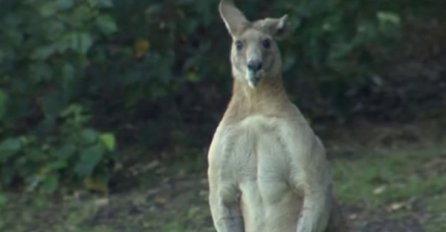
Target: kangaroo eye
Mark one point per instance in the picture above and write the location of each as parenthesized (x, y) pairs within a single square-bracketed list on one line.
[(266, 43), (239, 45)]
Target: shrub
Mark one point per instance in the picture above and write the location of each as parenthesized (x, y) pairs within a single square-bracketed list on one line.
[(44, 133)]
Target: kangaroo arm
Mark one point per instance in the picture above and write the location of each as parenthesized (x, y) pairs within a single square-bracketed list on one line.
[(317, 200), (315, 211), (227, 216)]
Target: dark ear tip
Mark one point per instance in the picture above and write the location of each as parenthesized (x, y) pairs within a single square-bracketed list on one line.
[(282, 27)]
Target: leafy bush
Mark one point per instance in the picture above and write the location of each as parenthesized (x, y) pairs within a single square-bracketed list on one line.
[(330, 41), (171, 65), (44, 134)]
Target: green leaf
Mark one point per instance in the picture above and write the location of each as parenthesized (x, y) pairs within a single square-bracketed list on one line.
[(7, 174), (46, 126), (3, 103), (78, 42), (389, 17), (53, 104), (42, 53), (84, 42), (3, 200), (109, 141), (35, 154), (48, 9), (8, 148), (193, 77), (68, 83), (50, 183), (101, 3), (65, 4), (90, 158), (88, 136), (66, 151), (40, 71), (106, 24), (68, 71), (57, 165), (72, 110), (105, 3)]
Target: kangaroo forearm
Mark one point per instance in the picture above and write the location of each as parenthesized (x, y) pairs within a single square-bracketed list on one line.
[(315, 213), (230, 224), (227, 216)]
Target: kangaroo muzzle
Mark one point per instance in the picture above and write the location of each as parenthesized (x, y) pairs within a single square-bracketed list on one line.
[(255, 71)]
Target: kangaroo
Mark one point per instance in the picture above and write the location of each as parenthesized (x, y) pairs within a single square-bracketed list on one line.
[(268, 171)]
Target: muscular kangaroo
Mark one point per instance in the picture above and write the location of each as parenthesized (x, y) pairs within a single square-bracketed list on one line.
[(267, 169)]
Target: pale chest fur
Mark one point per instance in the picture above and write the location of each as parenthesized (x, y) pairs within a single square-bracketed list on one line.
[(259, 158)]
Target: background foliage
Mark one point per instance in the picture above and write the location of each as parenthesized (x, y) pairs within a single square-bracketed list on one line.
[(76, 74)]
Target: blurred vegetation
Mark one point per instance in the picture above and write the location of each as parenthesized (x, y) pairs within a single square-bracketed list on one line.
[(79, 77)]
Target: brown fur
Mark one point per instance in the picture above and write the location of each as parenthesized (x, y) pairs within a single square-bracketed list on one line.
[(269, 99)]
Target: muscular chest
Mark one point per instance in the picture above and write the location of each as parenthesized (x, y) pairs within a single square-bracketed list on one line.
[(257, 157)]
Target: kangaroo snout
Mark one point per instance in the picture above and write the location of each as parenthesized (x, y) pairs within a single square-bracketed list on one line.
[(255, 72), (255, 65)]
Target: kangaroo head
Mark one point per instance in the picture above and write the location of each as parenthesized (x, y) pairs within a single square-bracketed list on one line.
[(254, 53)]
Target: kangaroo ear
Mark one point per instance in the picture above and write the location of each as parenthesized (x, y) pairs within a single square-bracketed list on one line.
[(277, 27), (234, 19)]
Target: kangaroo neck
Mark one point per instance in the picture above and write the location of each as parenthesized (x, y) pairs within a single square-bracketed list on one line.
[(268, 98)]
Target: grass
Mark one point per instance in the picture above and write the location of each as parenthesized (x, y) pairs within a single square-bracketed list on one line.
[(437, 207), (383, 177), (390, 181), (377, 181)]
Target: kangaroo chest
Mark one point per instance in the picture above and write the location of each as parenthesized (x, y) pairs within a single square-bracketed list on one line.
[(259, 160)]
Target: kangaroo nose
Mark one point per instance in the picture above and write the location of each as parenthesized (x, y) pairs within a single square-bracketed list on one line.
[(254, 65)]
